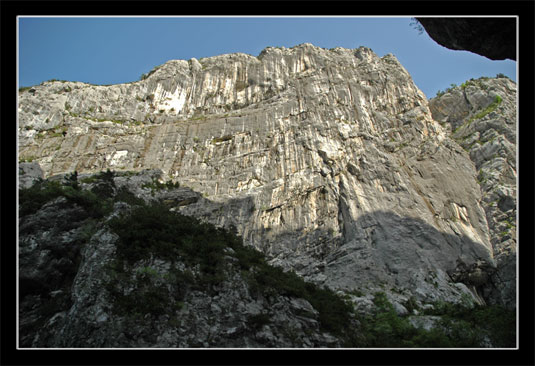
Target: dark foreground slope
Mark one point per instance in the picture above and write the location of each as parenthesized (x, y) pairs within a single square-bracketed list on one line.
[(101, 266)]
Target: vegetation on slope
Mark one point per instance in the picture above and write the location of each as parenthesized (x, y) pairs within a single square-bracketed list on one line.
[(150, 230), (153, 231)]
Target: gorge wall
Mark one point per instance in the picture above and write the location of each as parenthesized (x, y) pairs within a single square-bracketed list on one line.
[(331, 162), (482, 117)]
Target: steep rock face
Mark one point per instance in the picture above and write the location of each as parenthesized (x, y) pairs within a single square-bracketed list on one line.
[(482, 115), (329, 161)]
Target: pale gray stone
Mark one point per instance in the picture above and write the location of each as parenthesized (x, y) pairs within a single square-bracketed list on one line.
[(331, 162), (29, 173), (490, 139)]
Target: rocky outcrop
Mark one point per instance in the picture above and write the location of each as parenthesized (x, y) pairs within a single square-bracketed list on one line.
[(482, 116), (106, 261), (494, 38), (76, 291), (29, 173), (328, 161)]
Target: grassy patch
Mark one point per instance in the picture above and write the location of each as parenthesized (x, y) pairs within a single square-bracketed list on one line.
[(198, 117), (27, 159), (489, 109), (492, 107)]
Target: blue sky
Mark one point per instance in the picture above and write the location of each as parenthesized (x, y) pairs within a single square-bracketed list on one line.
[(118, 50)]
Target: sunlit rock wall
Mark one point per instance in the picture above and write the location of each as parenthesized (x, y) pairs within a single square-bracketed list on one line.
[(327, 160)]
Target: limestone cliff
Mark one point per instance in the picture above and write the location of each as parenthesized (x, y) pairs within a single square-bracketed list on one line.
[(329, 161), (482, 116)]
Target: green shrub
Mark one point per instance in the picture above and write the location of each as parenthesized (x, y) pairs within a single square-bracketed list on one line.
[(275, 280), (124, 195), (107, 176), (27, 159), (334, 312), (415, 24), (149, 231), (71, 180), (144, 231), (440, 93), (104, 185), (90, 179), (411, 305), (460, 327), (248, 257), (155, 185), (386, 328), (94, 205), (452, 86), (468, 325), (154, 231), (103, 190), (33, 198)]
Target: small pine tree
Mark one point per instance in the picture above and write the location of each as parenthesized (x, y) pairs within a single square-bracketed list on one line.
[(72, 180)]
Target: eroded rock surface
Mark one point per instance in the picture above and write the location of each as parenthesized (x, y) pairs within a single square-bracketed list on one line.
[(329, 161), (29, 173), (482, 116)]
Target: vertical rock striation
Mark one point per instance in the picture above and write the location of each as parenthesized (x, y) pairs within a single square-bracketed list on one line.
[(329, 161), (482, 116)]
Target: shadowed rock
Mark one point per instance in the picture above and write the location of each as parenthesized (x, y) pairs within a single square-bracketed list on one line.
[(494, 38)]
